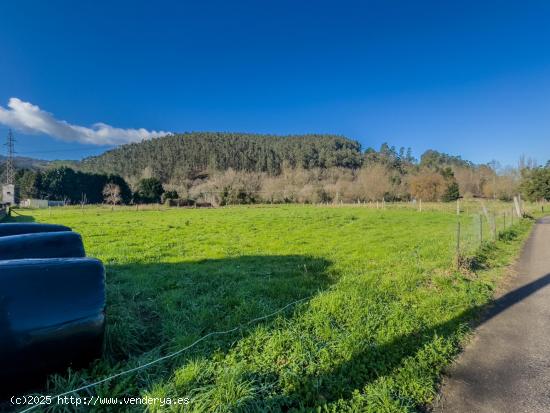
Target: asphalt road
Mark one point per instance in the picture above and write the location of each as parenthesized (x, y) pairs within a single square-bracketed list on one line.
[(506, 367)]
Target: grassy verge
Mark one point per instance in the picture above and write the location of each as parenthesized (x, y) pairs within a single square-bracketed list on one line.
[(387, 308)]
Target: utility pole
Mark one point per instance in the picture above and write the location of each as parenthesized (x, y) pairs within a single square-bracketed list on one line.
[(10, 173)]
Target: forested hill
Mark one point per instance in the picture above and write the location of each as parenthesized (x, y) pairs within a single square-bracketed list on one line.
[(190, 154)]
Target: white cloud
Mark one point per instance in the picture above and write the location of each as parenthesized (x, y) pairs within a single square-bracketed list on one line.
[(29, 118)]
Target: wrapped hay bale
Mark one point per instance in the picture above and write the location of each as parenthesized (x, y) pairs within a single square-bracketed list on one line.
[(52, 316), (29, 228), (42, 245)]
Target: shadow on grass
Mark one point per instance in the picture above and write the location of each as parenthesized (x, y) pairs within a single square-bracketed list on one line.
[(170, 305), (365, 367), (154, 309), (382, 360), (479, 261), (17, 217)]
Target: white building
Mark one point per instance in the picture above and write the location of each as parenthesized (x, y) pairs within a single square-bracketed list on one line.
[(8, 194)]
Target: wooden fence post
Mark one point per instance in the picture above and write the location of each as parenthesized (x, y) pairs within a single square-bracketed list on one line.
[(458, 244), (518, 206), (480, 229)]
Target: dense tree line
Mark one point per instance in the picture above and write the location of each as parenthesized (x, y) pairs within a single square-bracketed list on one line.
[(66, 184), (72, 187), (225, 168)]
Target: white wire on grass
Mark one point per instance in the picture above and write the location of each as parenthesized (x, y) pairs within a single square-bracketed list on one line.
[(171, 355)]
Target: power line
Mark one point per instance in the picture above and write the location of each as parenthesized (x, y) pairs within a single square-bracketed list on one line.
[(172, 355)]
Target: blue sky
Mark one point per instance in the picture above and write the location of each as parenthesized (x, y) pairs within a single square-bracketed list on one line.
[(469, 78)]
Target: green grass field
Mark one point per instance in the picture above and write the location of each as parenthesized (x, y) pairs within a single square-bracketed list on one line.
[(385, 308)]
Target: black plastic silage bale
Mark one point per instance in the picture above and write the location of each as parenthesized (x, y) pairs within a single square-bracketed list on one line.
[(29, 228), (42, 245), (52, 316)]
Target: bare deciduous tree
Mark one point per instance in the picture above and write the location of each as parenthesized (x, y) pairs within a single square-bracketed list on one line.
[(111, 194), (427, 186), (372, 183)]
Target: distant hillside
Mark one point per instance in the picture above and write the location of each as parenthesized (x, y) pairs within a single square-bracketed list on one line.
[(22, 162), (191, 154)]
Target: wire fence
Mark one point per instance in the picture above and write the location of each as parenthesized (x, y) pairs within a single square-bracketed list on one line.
[(462, 206), (477, 222), (490, 223), (170, 355)]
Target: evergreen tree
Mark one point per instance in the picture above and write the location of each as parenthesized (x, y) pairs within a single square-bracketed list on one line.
[(149, 191), (535, 184), (452, 193)]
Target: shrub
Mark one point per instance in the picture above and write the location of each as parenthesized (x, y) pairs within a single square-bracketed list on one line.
[(428, 186), (168, 195), (149, 191)]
